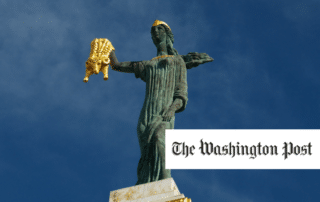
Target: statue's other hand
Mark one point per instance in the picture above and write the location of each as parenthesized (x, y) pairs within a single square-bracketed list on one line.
[(194, 59), (199, 57)]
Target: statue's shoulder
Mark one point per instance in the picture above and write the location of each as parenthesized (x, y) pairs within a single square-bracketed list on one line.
[(186, 60), (180, 58)]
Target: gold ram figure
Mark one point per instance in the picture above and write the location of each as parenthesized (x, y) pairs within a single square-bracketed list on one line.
[(98, 60)]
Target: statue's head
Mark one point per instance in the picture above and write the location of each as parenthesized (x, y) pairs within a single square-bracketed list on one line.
[(158, 34), (161, 32)]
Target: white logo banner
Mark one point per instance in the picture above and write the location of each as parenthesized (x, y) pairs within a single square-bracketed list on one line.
[(242, 149)]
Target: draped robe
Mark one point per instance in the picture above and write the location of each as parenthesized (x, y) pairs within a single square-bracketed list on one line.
[(166, 80)]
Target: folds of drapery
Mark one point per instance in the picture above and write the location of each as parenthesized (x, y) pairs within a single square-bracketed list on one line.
[(166, 80)]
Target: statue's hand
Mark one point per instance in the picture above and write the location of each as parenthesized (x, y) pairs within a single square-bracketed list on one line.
[(113, 59), (167, 116), (194, 59)]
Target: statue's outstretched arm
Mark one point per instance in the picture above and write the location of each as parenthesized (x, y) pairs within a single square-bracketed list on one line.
[(194, 59), (120, 66)]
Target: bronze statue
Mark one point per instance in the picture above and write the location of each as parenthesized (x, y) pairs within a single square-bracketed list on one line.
[(166, 94)]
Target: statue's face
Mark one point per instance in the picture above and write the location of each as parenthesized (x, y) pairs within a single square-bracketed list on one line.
[(158, 34)]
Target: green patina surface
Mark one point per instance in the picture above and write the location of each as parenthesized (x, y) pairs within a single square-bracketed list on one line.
[(166, 94), (166, 81)]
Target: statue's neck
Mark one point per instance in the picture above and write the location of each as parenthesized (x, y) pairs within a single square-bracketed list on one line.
[(162, 49)]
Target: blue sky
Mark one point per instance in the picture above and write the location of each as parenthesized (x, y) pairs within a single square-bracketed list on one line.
[(65, 140)]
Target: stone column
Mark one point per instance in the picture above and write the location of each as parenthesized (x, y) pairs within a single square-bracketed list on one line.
[(160, 191)]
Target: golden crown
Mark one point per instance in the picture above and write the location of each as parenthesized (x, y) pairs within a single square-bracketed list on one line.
[(158, 22)]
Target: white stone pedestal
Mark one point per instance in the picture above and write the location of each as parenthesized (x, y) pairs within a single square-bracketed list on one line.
[(160, 191)]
